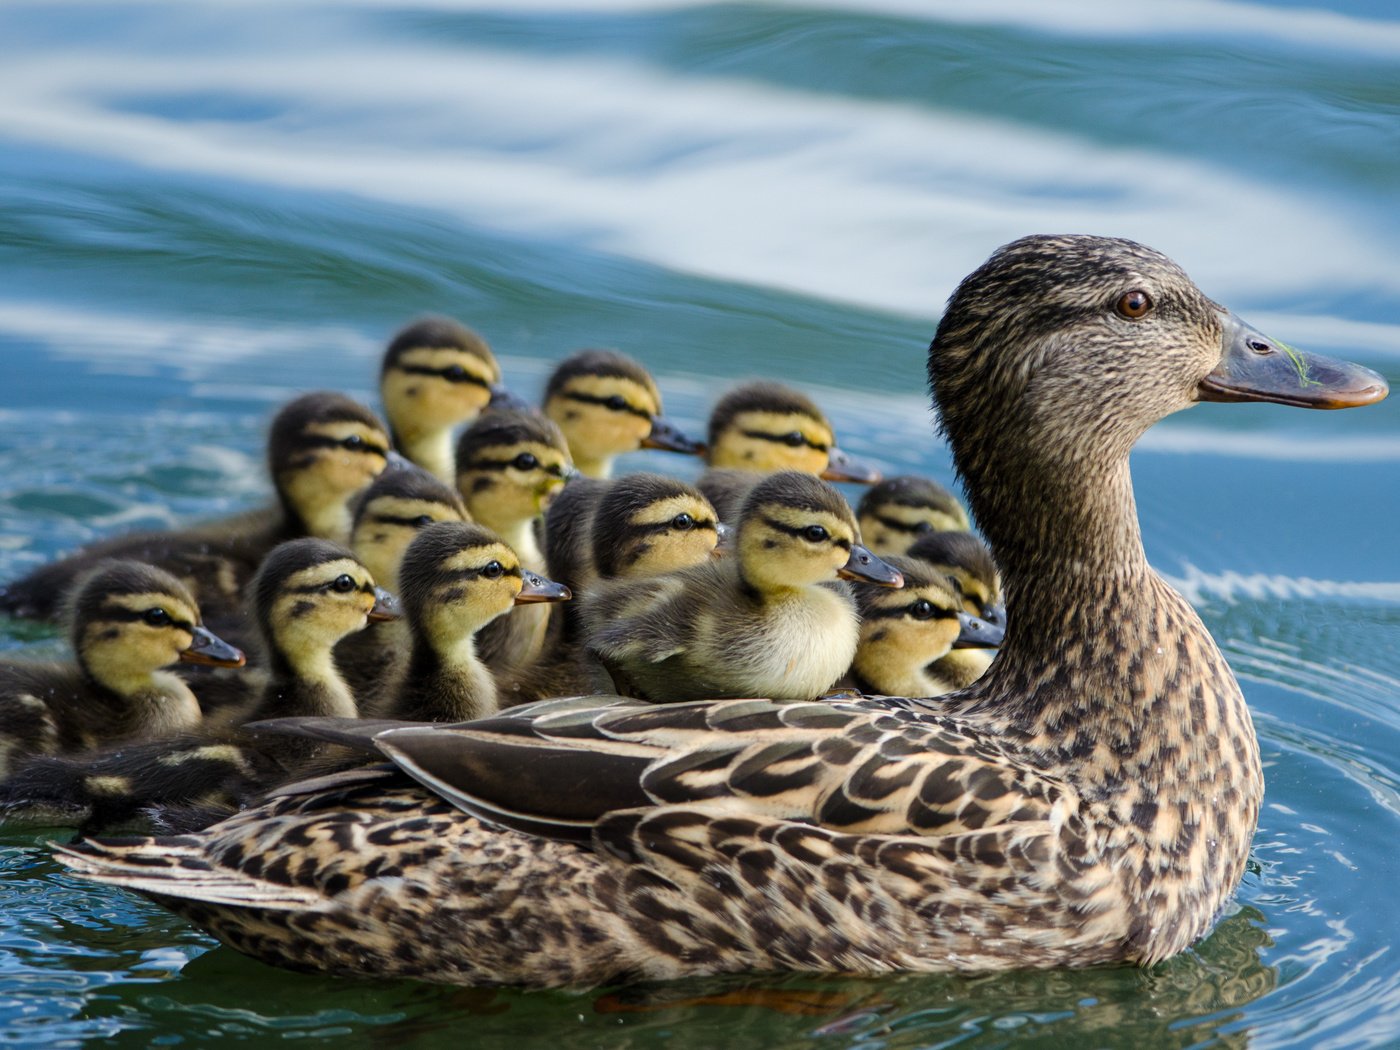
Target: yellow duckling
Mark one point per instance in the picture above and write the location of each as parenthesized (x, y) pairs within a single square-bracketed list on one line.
[(896, 511), (769, 621), (436, 375), (1089, 800), (322, 449), (607, 404), (128, 621)]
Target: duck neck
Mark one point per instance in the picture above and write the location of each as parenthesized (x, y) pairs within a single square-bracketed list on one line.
[(446, 683), (306, 684), (431, 449)]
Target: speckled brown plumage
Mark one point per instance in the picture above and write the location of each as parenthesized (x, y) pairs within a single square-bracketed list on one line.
[(1090, 800)]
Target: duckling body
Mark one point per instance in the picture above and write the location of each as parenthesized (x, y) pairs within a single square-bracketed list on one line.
[(322, 449), (436, 375), (764, 623), (1089, 800), (129, 620), (607, 404)]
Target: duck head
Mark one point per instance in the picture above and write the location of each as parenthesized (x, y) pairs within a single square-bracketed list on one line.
[(767, 426), (391, 512), (895, 512)]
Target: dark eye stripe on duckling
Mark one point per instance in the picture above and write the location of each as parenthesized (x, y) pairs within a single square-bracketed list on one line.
[(903, 526), (352, 443), (452, 373), (477, 572), (894, 612), (557, 470), (615, 402), (125, 614), (669, 525), (800, 531), (789, 438)]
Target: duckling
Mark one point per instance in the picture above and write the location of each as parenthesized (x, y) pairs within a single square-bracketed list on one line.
[(910, 638), (388, 516), (510, 467), (897, 511), (762, 623), (128, 620), (322, 449), (456, 579), (967, 563), (308, 594), (608, 404), (1090, 800), (437, 374)]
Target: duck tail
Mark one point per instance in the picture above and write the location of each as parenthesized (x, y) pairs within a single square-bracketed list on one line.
[(176, 866)]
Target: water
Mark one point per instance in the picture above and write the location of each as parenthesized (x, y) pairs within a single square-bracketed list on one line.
[(204, 208)]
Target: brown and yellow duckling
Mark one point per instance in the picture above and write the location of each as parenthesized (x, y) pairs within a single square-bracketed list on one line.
[(322, 449), (456, 578), (437, 374), (128, 622), (967, 563), (770, 620), (895, 512), (912, 640), (1090, 800), (607, 405)]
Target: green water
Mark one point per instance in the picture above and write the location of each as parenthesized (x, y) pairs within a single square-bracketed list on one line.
[(204, 209)]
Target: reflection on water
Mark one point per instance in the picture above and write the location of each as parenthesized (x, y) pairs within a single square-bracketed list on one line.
[(203, 215)]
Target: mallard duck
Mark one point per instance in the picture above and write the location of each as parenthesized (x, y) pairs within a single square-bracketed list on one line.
[(510, 467), (322, 449), (436, 375), (128, 621), (895, 512), (607, 404), (761, 623), (911, 639), (307, 595), (456, 579), (761, 427), (1089, 800)]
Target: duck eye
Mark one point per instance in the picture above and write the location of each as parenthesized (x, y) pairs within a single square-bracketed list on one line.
[(455, 372), (921, 609), (794, 439), (526, 461), (157, 617), (682, 521), (422, 521), (344, 583), (493, 570), (815, 533), (1135, 304), (353, 443), (617, 403)]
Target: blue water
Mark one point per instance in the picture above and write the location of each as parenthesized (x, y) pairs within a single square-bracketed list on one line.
[(205, 208)]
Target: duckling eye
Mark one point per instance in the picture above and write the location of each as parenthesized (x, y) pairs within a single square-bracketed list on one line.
[(815, 533), (616, 403), (794, 439), (682, 522), (157, 617), (422, 521), (343, 584), (455, 372), (921, 609), (526, 461), (1135, 304), (353, 443), (493, 570)]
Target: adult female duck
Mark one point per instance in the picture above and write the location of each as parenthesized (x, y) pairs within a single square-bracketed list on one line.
[(1089, 800)]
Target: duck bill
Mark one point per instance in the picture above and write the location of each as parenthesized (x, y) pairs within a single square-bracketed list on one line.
[(864, 566), (504, 400), (537, 589), (995, 615), (842, 466), (724, 540), (977, 633), (212, 651), (667, 436), (386, 607), (1254, 367)]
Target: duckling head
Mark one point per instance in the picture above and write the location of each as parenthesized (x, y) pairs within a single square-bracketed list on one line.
[(436, 375), (906, 634), (766, 426), (649, 524), (510, 466), (458, 577), (1058, 353), (795, 530), (310, 593), (323, 448), (129, 619), (897, 511), (966, 563), (607, 404), (391, 512)]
